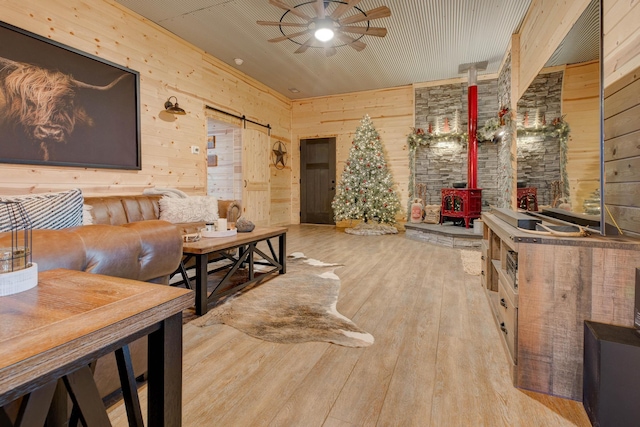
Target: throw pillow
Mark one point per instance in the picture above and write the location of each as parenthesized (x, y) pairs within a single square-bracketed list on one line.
[(191, 209), (87, 218), (47, 210)]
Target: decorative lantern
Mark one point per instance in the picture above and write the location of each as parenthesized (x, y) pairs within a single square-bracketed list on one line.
[(17, 272)]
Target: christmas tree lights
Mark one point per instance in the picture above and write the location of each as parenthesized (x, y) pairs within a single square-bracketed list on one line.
[(365, 190)]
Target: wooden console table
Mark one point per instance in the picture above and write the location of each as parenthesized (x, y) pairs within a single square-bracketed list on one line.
[(465, 203), (246, 244), (542, 288), (71, 318)]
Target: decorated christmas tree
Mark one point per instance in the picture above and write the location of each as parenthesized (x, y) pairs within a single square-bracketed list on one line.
[(365, 190)]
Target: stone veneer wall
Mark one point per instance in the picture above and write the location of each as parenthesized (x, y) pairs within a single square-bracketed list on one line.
[(505, 172), (440, 165), (443, 163), (538, 156)]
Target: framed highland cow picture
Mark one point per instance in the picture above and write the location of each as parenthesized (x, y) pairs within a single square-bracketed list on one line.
[(63, 107)]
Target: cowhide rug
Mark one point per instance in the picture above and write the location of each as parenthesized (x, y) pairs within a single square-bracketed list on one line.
[(299, 306)]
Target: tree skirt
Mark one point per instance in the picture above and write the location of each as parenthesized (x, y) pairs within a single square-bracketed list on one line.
[(371, 229)]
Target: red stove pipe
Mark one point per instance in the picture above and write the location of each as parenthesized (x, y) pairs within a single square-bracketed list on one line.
[(472, 164)]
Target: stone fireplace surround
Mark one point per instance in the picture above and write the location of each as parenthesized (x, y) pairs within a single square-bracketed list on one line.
[(444, 163)]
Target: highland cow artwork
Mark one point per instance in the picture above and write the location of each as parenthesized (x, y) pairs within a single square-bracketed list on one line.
[(62, 107)]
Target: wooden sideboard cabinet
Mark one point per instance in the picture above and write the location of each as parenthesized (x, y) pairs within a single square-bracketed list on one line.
[(541, 289)]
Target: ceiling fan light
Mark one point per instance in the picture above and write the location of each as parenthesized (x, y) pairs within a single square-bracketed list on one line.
[(324, 34)]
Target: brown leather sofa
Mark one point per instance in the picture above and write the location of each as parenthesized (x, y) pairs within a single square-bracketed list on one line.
[(118, 210), (127, 211), (126, 240)]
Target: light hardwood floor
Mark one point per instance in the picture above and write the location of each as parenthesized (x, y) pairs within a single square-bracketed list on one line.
[(437, 359)]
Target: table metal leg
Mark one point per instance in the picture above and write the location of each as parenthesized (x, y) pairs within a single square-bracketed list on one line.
[(58, 415), (165, 374), (33, 409), (251, 248), (201, 284), (129, 387), (84, 394), (282, 252)]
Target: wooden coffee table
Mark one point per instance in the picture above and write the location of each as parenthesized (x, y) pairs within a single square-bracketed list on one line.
[(246, 244), (71, 318)]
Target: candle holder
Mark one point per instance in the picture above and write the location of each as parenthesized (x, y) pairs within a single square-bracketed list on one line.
[(17, 271)]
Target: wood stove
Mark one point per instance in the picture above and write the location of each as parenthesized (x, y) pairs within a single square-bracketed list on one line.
[(527, 198), (465, 203)]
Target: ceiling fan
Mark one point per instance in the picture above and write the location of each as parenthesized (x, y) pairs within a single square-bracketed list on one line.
[(327, 24)]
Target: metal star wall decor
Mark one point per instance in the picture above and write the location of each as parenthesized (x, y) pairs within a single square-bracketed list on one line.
[(278, 155)]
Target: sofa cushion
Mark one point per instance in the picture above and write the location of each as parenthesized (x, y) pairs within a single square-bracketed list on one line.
[(52, 211), (191, 209), (118, 210)]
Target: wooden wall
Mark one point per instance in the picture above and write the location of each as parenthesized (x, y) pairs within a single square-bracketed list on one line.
[(544, 27), (581, 108), (621, 69), (280, 181), (391, 111), (622, 152), (168, 66), (621, 39)]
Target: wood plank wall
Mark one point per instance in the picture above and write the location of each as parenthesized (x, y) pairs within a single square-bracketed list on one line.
[(581, 108), (392, 113), (544, 27), (621, 39), (622, 152), (168, 66), (621, 70)]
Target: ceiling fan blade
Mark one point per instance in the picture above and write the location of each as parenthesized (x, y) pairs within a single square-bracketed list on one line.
[(356, 44), (378, 12), (343, 7), (290, 36), (330, 51), (371, 31), (282, 24), (291, 9), (303, 48), (319, 4)]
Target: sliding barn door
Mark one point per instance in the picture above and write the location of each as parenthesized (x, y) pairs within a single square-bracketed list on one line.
[(255, 176)]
